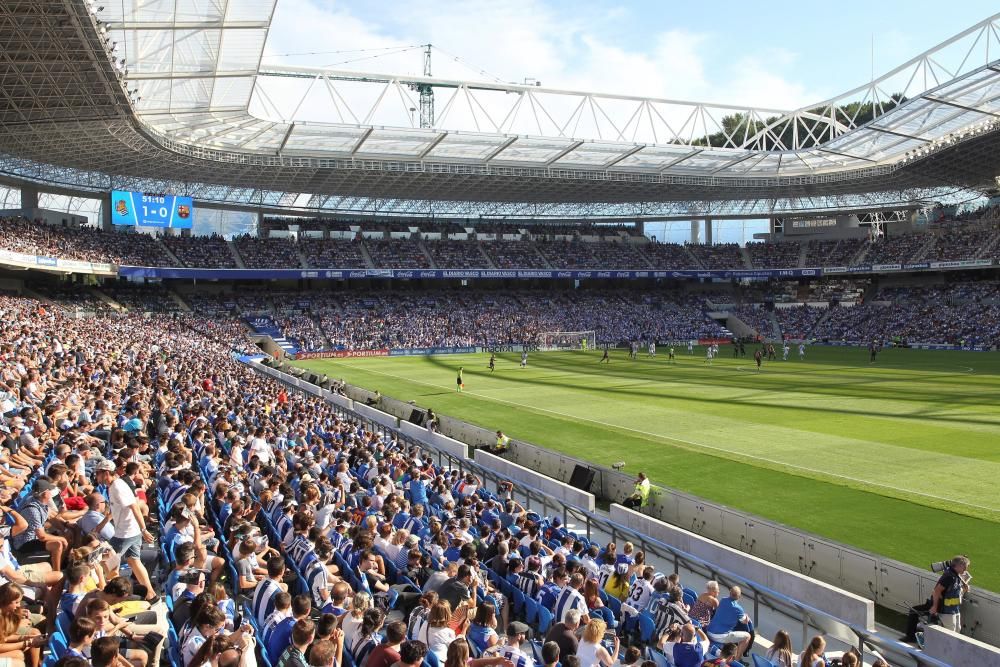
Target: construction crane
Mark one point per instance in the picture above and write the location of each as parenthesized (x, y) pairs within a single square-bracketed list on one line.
[(426, 92)]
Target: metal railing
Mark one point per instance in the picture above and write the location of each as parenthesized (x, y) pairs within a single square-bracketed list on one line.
[(812, 620)]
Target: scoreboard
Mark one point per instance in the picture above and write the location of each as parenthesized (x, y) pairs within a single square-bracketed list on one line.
[(151, 210)]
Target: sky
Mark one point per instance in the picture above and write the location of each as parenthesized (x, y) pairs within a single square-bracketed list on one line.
[(777, 54)]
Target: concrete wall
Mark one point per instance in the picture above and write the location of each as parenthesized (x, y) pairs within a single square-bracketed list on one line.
[(834, 601), (558, 490), (887, 582), (958, 650), (376, 416), (442, 442)]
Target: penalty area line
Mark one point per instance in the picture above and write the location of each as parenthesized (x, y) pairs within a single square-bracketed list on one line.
[(692, 444)]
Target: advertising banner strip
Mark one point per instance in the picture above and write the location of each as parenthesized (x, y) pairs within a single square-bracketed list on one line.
[(491, 274)]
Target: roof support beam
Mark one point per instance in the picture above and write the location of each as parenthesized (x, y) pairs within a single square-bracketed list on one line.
[(362, 139), (563, 153), (201, 74), (499, 149), (956, 105), (189, 25), (679, 160), (896, 134), (431, 146), (288, 135), (615, 160)]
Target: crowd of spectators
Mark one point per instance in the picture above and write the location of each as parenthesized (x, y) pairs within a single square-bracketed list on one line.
[(210, 252), (260, 253), (667, 256), (895, 249), (455, 254), (798, 321), (757, 318), (833, 253), (141, 298), (552, 244), (572, 255), (396, 254), (720, 256), (82, 244), (782, 255), (332, 254), (514, 254)]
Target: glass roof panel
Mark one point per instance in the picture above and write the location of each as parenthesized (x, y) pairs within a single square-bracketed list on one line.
[(459, 146), (409, 143), (323, 137), (593, 154), (533, 150)]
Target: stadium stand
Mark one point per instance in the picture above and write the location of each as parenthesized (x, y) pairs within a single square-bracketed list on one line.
[(798, 321), (396, 254), (721, 256), (584, 255), (455, 254), (201, 251), (514, 254), (260, 253), (330, 253), (784, 255), (667, 256)]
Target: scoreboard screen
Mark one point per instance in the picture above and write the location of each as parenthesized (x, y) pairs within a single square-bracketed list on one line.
[(151, 210)]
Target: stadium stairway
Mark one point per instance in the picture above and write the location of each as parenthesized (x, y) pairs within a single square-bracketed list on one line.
[(175, 261), (776, 331), (104, 298), (303, 262), (267, 327), (369, 262), (803, 254), (987, 249), (921, 253), (486, 257), (745, 254), (860, 257), (427, 254), (236, 255)]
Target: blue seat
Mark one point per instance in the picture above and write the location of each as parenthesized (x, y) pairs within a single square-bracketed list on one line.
[(430, 660), (531, 611), (761, 662), (519, 601), (659, 658), (58, 644), (608, 616), (545, 619), (647, 626)]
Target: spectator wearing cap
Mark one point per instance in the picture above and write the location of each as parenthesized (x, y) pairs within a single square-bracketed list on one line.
[(97, 518), (130, 527), (510, 649), (37, 538)]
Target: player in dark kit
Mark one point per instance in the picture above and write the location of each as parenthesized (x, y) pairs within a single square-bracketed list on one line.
[(872, 352), (605, 358), (493, 362), (758, 356)]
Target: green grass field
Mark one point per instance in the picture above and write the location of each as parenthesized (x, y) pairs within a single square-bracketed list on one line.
[(901, 458)]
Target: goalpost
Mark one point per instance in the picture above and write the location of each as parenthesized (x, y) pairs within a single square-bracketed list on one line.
[(567, 340)]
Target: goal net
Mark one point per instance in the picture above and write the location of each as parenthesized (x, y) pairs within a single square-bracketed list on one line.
[(567, 340)]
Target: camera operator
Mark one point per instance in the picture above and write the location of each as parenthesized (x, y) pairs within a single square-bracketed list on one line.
[(946, 600), (945, 603)]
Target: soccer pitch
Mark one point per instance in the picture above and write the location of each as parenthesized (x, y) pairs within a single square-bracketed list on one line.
[(900, 458)]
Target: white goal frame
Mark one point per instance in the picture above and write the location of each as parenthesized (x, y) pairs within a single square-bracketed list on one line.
[(566, 340)]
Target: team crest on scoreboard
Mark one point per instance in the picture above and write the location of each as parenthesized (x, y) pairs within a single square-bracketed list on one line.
[(121, 207), (183, 211)]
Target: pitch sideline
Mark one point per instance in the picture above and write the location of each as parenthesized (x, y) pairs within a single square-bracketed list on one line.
[(691, 443)]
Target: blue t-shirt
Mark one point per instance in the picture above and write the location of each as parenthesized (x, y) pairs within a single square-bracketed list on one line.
[(726, 617), (279, 638)]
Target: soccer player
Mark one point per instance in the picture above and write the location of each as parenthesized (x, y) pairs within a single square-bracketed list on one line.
[(784, 350), (652, 349), (872, 352), (802, 351), (758, 356), (605, 358), (458, 380), (670, 357), (524, 358), (690, 347), (493, 362), (709, 353)]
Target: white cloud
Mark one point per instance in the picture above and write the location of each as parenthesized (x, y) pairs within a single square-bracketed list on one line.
[(518, 39)]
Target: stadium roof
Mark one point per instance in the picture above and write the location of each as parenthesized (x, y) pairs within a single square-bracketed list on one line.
[(170, 95)]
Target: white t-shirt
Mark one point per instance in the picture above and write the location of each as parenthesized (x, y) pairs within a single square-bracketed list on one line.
[(122, 500)]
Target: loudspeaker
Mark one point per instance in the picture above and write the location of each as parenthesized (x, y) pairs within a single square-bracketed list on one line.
[(416, 417), (313, 378), (582, 478)]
